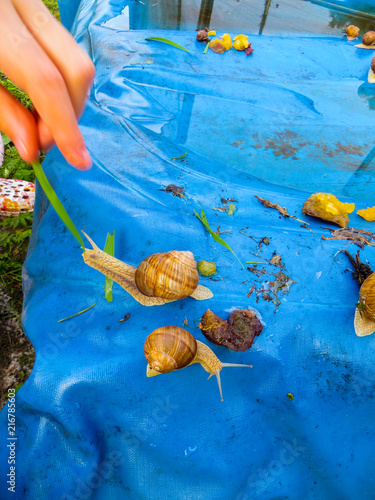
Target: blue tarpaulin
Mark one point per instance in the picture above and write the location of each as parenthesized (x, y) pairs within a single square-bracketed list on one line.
[(293, 118)]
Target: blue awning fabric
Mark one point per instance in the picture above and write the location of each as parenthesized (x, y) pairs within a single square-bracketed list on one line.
[(294, 118)]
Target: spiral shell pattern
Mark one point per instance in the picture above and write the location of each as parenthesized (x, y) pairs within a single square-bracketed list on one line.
[(367, 296), (172, 275), (170, 348)]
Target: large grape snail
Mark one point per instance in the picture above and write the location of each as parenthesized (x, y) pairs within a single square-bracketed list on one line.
[(159, 278), (171, 348)]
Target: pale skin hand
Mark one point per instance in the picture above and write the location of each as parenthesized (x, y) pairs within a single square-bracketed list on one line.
[(42, 58)]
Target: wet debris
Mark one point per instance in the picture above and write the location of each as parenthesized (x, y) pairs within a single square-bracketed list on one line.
[(270, 289), (227, 200), (280, 209), (229, 209), (176, 190), (219, 232), (357, 236), (125, 318), (237, 334), (361, 270), (276, 260)]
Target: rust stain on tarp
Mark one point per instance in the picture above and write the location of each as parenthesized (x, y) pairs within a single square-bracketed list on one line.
[(287, 144)]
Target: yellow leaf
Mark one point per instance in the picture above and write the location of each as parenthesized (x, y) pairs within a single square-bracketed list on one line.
[(367, 213), (217, 46), (241, 42), (227, 41)]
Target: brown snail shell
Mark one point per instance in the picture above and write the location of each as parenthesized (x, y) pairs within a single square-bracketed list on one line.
[(364, 320), (373, 64), (352, 31), (171, 348), (125, 275), (368, 38), (172, 275)]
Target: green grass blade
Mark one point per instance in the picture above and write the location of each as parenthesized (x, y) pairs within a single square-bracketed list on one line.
[(77, 314), (179, 157), (169, 42), (55, 202), (217, 238), (109, 248), (205, 50)]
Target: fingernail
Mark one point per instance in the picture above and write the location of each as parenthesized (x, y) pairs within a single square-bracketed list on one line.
[(85, 155)]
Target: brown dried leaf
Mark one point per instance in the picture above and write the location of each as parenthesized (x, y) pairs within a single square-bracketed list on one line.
[(357, 236), (276, 260), (226, 200), (279, 208), (176, 190)]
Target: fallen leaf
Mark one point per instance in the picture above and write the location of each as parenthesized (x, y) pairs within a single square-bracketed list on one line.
[(357, 236), (367, 213), (276, 260), (279, 208), (176, 190), (226, 200)]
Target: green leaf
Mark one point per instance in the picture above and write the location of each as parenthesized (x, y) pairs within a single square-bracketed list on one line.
[(109, 248), (55, 202), (179, 157), (76, 314), (217, 238), (169, 42), (207, 45)]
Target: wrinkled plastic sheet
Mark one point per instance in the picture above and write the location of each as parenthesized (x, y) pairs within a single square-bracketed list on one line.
[(293, 118)]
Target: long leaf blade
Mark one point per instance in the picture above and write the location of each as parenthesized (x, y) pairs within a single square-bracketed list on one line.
[(109, 248), (76, 314), (55, 202), (169, 42), (216, 237)]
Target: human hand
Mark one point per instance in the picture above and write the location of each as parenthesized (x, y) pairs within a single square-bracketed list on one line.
[(41, 57)]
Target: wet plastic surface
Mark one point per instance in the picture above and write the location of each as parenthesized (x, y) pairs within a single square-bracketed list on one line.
[(291, 119)]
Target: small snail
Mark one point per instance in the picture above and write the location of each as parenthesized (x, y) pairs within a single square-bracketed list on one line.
[(171, 348), (352, 32), (160, 278), (364, 319), (368, 38)]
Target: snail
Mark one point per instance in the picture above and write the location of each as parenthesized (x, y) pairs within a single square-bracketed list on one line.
[(352, 32), (160, 278), (171, 348), (364, 319), (368, 38)]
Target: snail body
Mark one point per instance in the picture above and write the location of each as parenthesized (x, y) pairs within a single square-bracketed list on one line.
[(172, 348), (159, 279)]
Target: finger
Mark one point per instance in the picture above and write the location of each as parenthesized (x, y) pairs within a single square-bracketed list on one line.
[(26, 63), (73, 63), (19, 125)]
